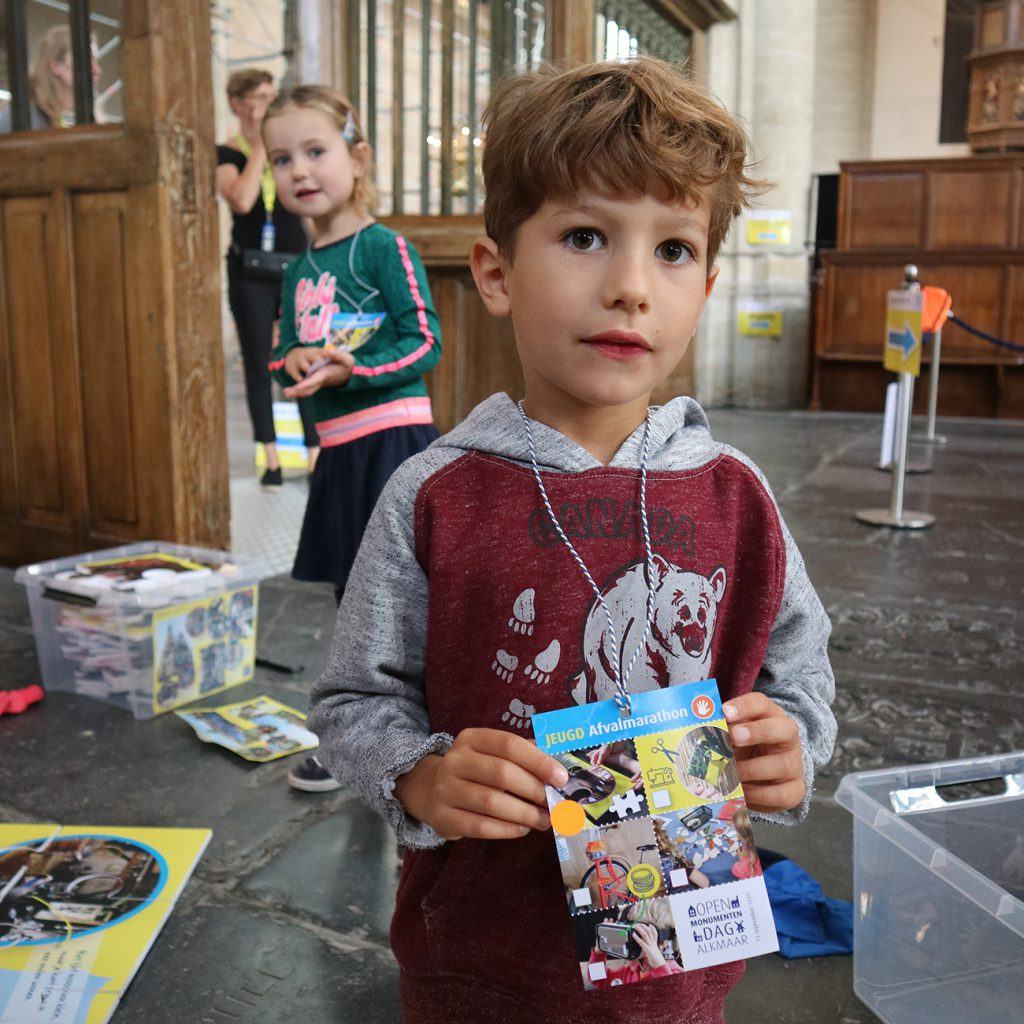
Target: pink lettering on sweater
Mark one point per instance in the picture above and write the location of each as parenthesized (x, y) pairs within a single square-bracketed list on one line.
[(315, 308)]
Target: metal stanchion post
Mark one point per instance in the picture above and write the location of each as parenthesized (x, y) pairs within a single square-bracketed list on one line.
[(895, 515), (930, 437)]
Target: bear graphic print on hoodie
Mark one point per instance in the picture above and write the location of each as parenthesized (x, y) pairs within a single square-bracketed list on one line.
[(465, 610)]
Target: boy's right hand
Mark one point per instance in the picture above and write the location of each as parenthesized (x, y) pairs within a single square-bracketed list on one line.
[(490, 785)]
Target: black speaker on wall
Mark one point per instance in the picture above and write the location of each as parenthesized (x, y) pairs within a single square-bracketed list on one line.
[(825, 210)]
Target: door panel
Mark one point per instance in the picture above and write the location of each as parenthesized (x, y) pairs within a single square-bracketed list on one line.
[(110, 356), (43, 474)]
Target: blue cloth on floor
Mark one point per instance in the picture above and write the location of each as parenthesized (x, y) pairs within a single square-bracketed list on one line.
[(807, 921)]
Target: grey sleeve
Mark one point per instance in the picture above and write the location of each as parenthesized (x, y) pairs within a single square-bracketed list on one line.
[(796, 672), (369, 707), (797, 675)]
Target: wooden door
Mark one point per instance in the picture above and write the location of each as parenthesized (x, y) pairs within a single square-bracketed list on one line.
[(112, 408)]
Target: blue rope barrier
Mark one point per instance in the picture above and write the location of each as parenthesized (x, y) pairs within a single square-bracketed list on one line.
[(990, 338)]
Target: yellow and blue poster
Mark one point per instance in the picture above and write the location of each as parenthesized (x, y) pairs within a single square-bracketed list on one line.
[(759, 319), (903, 331), (291, 438), (769, 227), (80, 907)]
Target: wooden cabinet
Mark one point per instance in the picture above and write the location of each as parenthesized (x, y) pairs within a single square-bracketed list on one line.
[(960, 222)]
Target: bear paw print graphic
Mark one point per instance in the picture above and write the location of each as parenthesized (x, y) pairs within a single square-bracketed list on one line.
[(518, 714), (544, 663), (504, 665), (523, 613)]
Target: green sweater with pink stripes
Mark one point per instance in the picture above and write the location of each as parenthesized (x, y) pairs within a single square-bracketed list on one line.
[(368, 291)]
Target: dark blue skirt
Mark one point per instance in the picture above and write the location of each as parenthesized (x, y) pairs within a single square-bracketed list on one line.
[(343, 490)]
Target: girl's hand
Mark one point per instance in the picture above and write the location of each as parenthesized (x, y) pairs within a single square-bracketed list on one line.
[(298, 360), (335, 374), (646, 936), (767, 745), (597, 756), (490, 785)]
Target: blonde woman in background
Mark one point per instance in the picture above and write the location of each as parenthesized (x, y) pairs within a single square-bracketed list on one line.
[(259, 224), (52, 83)]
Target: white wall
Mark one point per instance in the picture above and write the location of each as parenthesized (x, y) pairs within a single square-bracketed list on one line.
[(817, 82), (908, 81), (762, 67), (844, 79)]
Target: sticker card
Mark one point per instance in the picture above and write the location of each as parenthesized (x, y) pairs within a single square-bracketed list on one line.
[(653, 837)]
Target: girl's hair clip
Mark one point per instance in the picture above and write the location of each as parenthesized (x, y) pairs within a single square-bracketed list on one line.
[(348, 132)]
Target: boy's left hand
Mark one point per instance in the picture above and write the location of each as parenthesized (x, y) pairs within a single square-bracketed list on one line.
[(767, 746), (335, 374)]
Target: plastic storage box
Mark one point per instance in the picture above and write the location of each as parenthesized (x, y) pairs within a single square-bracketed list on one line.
[(146, 627), (938, 879)]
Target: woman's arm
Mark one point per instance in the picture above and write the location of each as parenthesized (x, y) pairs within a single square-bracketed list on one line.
[(241, 188)]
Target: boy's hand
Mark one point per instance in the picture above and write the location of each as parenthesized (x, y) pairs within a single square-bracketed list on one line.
[(490, 785), (300, 360), (767, 746)]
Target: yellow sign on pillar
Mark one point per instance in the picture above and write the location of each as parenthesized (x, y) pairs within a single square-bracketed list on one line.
[(769, 227), (903, 331), (759, 319)]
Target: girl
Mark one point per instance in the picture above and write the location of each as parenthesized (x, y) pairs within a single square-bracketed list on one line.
[(358, 331)]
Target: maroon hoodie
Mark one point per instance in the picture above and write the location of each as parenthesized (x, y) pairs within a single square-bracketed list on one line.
[(465, 609)]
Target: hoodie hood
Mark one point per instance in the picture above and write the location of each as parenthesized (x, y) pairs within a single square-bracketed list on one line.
[(679, 439)]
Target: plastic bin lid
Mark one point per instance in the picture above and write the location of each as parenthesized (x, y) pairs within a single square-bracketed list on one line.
[(910, 808), (150, 574)]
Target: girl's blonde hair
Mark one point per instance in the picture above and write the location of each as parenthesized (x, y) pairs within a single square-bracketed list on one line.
[(343, 115), (54, 46)]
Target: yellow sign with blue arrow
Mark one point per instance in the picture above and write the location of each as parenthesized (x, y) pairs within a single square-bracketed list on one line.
[(903, 331)]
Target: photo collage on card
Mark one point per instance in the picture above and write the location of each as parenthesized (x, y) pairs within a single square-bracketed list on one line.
[(663, 823), (203, 646)]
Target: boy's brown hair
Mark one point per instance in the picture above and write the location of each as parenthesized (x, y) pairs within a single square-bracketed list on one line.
[(244, 80), (619, 127), (342, 114)]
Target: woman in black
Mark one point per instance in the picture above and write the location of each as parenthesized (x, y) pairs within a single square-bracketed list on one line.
[(260, 225)]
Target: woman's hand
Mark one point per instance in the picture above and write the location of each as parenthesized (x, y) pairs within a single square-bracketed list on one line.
[(490, 785)]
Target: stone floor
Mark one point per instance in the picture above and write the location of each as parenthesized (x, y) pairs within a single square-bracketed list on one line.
[(286, 916)]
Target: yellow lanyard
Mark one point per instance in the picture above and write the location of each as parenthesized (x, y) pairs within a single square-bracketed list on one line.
[(267, 187)]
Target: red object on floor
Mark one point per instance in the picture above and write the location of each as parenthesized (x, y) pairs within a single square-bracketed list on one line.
[(13, 702)]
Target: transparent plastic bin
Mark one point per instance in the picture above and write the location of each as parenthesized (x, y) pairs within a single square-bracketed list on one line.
[(159, 635), (938, 880)]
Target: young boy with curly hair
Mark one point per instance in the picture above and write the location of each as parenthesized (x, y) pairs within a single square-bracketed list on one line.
[(610, 188)]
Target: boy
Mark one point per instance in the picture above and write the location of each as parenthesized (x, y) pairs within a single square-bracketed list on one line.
[(471, 605)]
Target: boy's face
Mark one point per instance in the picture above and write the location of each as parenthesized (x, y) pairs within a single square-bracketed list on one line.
[(604, 295)]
